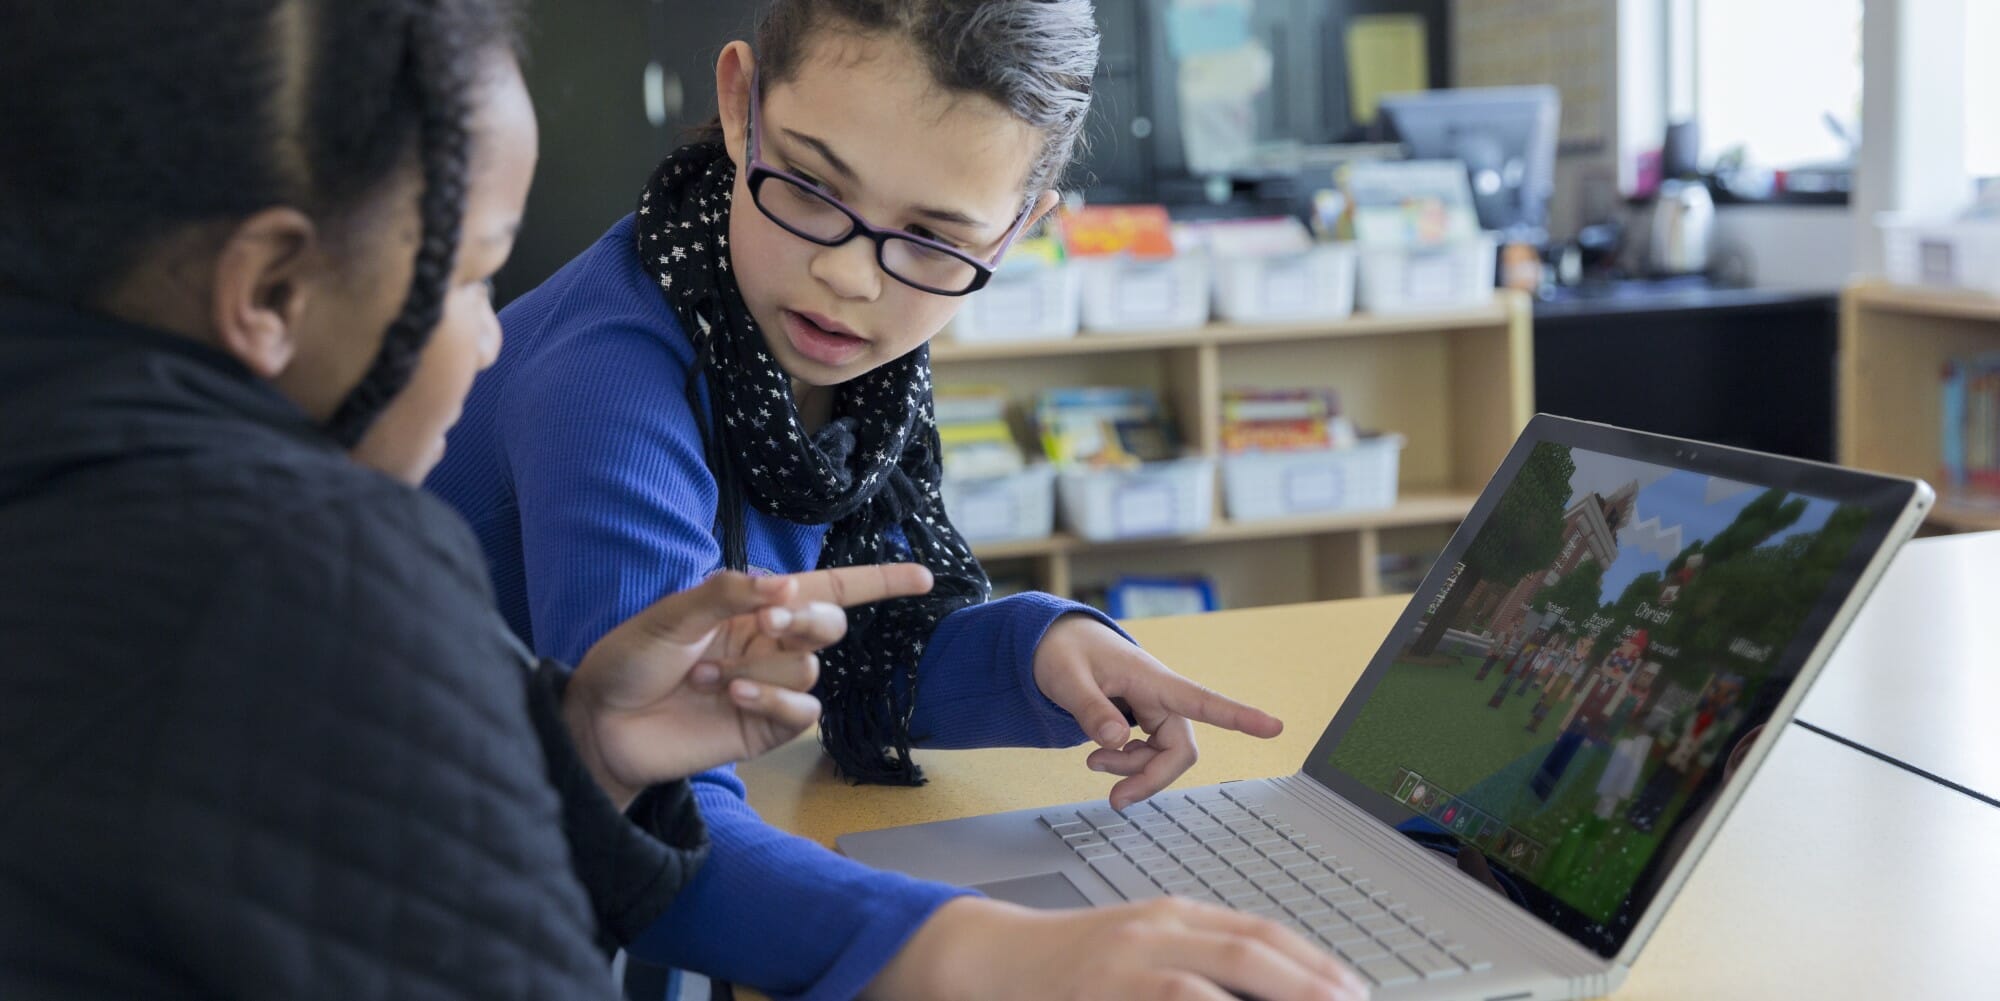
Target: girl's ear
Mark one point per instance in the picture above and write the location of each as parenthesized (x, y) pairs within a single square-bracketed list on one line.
[(735, 70), (259, 290), (1043, 205)]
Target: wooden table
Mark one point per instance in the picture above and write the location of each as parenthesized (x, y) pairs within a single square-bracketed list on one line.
[(1838, 876), (1918, 676)]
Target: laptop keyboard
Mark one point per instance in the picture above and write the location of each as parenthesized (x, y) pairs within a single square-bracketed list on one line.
[(1206, 845)]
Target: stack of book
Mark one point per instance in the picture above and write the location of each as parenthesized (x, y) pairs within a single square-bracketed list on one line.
[(1104, 427), (1283, 420), (1971, 431), (973, 432)]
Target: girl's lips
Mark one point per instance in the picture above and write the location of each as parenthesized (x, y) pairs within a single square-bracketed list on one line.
[(830, 347)]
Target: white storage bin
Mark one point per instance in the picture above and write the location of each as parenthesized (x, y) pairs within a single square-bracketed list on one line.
[(1948, 254), (1120, 293), (1454, 276), (1003, 508), (1022, 304), (1317, 284), (1262, 485), (1176, 497)]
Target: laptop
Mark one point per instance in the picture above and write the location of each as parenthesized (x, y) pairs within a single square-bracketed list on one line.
[(1538, 753)]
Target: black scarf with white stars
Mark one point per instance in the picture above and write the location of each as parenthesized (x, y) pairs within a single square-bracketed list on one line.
[(870, 474)]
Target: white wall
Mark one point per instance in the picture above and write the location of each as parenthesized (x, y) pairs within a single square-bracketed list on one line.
[(1912, 117)]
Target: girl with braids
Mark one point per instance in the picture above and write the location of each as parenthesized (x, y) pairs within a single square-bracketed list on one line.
[(735, 377), (261, 732)]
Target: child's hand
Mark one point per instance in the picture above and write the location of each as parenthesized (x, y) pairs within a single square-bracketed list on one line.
[(714, 674), (1163, 948), (1082, 665)]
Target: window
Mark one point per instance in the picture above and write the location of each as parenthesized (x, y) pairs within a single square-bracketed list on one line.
[(1783, 112), (1982, 89)]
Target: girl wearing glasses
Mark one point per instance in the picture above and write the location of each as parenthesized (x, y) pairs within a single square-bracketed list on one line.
[(736, 376)]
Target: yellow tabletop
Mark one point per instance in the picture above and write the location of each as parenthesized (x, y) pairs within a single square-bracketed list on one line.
[(1295, 661), (1837, 876)]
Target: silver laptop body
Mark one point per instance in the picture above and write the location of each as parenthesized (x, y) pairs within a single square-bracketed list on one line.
[(1588, 834)]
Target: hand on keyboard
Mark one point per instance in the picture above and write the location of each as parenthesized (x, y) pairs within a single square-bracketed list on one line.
[(1163, 948)]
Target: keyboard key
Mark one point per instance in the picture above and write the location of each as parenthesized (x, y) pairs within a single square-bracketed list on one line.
[(1158, 865), (1362, 950), (1342, 935), (1306, 907), (1238, 894), (1325, 921), (1229, 845), (1362, 909), (1238, 856), (1125, 878), (1256, 867), (1432, 964), (1219, 878), (1272, 880), (1057, 818), (1214, 836), (1258, 839), (1263, 910), (1101, 816), (1173, 841), (1096, 851), (1289, 892), (1110, 831), (1401, 940), (1079, 840), (1387, 971), (1179, 885), (1320, 883)]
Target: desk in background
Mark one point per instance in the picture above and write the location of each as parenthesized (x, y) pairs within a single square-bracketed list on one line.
[(1838, 875), (1917, 679)]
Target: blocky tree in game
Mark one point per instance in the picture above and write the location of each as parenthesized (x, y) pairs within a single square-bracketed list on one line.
[(1523, 536), (1573, 599)]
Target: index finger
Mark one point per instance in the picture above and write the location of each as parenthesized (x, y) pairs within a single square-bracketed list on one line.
[(1181, 697), (862, 585)]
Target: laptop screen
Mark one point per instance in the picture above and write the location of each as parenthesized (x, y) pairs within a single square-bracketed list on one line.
[(1565, 694)]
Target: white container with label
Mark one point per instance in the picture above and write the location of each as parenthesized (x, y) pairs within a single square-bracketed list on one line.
[(1008, 508), (1259, 486), (1452, 276), (1022, 303), (1942, 254), (1316, 284), (1176, 497), (1120, 293)]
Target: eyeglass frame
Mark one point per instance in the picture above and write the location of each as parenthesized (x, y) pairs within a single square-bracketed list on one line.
[(760, 170)]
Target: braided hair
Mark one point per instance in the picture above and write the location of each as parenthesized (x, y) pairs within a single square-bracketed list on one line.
[(123, 124)]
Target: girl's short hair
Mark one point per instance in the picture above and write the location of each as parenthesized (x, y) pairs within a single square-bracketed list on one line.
[(1033, 57), (122, 122)]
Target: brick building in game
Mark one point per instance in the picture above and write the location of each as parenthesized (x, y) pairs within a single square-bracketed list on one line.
[(1590, 530)]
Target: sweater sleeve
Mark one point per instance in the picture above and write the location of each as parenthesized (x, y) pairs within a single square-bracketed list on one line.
[(977, 680), (616, 510)]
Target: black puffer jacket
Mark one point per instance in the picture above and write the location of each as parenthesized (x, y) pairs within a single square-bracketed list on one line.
[(262, 734)]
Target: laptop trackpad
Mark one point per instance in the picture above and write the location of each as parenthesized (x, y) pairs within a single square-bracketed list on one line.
[(1049, 891)]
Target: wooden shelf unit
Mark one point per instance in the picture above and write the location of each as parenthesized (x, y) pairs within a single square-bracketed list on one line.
[(1894, 343), (1458, 385)]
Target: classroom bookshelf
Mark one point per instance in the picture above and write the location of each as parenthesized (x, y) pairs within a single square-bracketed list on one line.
[(1458, 385), (1894, 343)]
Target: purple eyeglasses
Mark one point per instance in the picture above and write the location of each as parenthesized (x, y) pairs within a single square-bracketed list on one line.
[(809, 213)]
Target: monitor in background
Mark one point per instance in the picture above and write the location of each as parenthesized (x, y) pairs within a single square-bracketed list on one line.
[(1506, 136)]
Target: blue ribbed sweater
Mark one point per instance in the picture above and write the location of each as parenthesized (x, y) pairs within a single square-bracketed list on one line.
[(579, 465)]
